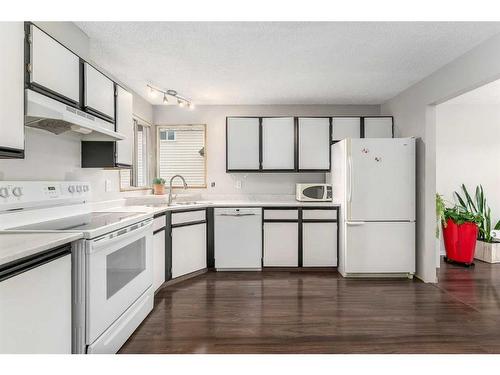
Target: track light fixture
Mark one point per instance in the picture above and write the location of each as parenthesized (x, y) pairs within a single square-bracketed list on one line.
[(181, 100)]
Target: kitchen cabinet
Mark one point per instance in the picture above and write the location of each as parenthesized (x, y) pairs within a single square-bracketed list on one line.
[(99, 90), (378, 127), (125, 126), (159, 228), (278, 143), (281, 244), (242, 144), (12, 90), (319, 244), (281, 237), (346, 127), (189, 242), (53, 69), (314, 143), (35, 295)]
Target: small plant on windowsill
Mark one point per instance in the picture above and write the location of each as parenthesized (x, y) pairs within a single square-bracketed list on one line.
[(159, 186), (486, 249)]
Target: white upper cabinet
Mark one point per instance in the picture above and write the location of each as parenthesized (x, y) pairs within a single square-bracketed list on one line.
[(99, 92), (378, 127), (314, 143), (12, 89), (243, 143), (53, 66), (346, 127), (278, 143), (125, 126)]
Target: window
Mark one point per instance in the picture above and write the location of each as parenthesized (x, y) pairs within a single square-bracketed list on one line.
[(167, 135), (181, 150), (138, 176), (141, 165)]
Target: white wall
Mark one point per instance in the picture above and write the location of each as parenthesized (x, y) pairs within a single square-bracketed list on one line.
[(414, 112), (468, 150), (52, 157), (215, 118)]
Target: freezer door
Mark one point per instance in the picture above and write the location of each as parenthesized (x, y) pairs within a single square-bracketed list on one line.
[(382, 247), (381, 179)]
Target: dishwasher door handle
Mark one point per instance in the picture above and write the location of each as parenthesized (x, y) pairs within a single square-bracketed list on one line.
[(236, 215)]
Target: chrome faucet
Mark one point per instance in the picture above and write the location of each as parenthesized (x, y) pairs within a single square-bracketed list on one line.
[(170, 189)]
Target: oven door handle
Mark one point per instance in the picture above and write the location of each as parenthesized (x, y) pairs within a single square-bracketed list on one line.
[(133, 231)]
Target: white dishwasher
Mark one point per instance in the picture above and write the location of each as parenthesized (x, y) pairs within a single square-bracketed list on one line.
[(238, 239)]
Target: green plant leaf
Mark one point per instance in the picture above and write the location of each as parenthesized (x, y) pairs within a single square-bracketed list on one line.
[(461, 201), (470, 203)]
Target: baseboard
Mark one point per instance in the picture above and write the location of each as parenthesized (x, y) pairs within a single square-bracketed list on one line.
[(182, 278)]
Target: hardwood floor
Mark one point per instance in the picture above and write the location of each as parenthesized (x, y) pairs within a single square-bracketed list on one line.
[(320, 312)]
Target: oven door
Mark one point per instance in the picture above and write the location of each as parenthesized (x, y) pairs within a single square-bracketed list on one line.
[(119, 271)]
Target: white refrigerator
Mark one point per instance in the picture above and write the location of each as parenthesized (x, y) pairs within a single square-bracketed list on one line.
[(374, 182)]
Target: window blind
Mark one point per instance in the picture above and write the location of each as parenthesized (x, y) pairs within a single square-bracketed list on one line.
[(182, 153)]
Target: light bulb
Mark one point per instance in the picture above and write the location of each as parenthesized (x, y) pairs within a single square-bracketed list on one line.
[(165, 100), (152, 92), (180, 102), (190, 105)]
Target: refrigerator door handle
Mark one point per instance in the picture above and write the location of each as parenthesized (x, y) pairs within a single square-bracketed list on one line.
[(349, 171), (355, 223)]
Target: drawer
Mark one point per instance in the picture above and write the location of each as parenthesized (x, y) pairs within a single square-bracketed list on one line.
[(330, 214), (159, 222), (281, 214), (188, 216)]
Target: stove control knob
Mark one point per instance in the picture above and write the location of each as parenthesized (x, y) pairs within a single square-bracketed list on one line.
[(79, 188), (4, 192), (17, 191), (85, 188), (71, 189)]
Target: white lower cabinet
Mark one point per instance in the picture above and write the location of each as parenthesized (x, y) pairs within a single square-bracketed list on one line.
[(281, 244), (189, 249), (319, 244), (158, 259)]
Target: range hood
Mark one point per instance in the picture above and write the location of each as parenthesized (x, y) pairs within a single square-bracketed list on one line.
[(49, 114)]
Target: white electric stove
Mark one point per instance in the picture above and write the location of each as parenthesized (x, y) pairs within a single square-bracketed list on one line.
[(111, 267)]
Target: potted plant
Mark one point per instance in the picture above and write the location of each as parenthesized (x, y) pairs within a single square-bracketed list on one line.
[(159, 186), (460, 230), (486, 249)]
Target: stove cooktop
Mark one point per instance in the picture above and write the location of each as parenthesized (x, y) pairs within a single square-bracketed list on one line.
[(86, 222)]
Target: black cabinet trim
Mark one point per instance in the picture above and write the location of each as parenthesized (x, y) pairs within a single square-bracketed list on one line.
[(188, 224), (296, 145), (53, 94), (159, 230), (300, 222), (210, 238), (296, 168), (168, 246), (25, 264)]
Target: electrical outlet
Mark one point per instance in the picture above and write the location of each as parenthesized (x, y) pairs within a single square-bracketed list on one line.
[(212, 184), (107, 185), (237, 185)]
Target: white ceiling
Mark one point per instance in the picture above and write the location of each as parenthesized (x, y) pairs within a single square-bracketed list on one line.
[(280, 62)]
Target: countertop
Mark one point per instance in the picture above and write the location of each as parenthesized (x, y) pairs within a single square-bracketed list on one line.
[(159, 208), (14, 246)]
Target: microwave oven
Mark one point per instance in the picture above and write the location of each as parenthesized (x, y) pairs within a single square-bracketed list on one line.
[(313, 192)]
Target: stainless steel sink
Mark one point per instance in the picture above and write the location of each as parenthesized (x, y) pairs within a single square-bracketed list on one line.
[(185, 203)]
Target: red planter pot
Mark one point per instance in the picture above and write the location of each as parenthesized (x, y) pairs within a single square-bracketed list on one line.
[(460, 241)]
